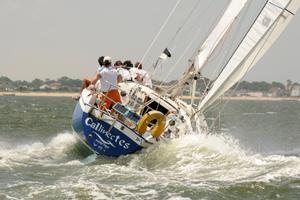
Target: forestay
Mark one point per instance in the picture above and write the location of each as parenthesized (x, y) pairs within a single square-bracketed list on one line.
[(269, 24), (211, 43)]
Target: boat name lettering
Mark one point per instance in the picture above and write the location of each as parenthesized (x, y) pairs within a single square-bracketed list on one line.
[(100, 129)]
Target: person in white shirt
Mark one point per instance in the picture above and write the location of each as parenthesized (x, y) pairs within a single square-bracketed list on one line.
[(142, 76), (122, 70), (109, 79)]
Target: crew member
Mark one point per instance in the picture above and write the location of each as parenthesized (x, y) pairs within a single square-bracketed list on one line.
[(123, 69), (87, 82), (109, 79), (142, 76)]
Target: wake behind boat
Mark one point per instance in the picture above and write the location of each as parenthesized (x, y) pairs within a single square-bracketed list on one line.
[(148, 116)]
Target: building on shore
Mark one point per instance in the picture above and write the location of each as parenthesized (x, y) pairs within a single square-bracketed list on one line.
[(295, 91)]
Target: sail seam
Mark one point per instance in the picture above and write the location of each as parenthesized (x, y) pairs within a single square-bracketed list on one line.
[(260, 40), (284, 9), (245, 35), (236, 86)]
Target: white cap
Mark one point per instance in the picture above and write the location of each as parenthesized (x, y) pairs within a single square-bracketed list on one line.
[(107, 58)]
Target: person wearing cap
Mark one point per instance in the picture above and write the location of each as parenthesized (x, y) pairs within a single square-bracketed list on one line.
[(109, 79)]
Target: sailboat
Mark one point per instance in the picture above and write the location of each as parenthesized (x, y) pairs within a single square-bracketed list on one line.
[(147, 116)]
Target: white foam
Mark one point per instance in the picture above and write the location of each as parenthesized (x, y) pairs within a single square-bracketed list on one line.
[(194, 161), (195, 158), (8, 196), (37, 151)]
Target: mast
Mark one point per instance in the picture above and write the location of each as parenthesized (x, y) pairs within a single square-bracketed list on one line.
[(211, 43), (193, 91), (267, 27)]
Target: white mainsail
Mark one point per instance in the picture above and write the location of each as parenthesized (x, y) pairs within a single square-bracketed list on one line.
[(211, 43), (269, 24)]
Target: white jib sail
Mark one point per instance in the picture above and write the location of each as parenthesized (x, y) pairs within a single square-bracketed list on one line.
[(269, 24), (210, 44), (232, 11)]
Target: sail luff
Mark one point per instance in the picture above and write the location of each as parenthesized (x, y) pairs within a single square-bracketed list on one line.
[(270, 23), (219, 32), (211, 43)]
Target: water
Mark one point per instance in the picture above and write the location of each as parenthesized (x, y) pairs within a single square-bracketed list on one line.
[(255, 157)]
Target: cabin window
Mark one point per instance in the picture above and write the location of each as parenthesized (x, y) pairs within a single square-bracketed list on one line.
[(153, 105)]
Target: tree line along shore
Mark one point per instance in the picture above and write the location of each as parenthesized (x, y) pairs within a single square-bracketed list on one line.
[(65, 86), (71, 94)]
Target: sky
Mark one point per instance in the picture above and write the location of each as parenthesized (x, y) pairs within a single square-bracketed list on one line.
[(55, 38)]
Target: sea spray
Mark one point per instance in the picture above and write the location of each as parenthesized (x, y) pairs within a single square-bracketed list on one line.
[(212, 158), (194, 165), (36, 152)]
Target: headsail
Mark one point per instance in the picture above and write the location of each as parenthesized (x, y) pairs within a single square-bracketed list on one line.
[(211, 43), (269, 24), (214, 39)]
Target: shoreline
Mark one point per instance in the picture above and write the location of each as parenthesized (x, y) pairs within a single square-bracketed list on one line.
[(70, 94), (247, 98), (39, 94), (250, 98)]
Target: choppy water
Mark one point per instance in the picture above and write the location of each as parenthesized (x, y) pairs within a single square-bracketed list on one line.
[(256, 157)]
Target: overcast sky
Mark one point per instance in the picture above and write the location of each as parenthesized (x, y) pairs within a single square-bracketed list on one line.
[(55, 38)]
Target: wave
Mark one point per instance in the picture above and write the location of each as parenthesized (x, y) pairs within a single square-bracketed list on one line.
[(194, 157), (256, 113), (214, 158), (193, 163), (58, 148), (260, 113)]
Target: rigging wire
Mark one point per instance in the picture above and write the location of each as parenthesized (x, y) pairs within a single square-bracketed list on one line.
[(160, 30), (196, 52), (208, 32), (180, 29), (238, 83), (181, 56), (158, 33), (184, 23), (213, 74), (209, 85), (196, 35), (245, 35)]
